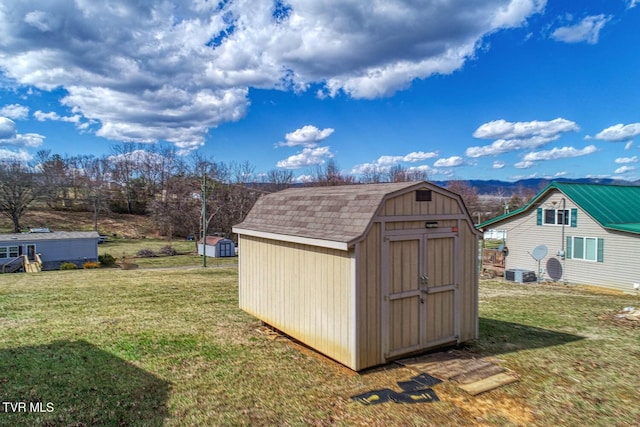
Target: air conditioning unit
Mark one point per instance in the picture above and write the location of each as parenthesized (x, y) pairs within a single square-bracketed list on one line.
[(520, 275)]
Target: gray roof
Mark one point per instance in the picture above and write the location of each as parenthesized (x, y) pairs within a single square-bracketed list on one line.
[(340, 214), (56, 235)]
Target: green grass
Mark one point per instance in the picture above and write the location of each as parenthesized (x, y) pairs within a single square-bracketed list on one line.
[(170, 347), (186, 253)]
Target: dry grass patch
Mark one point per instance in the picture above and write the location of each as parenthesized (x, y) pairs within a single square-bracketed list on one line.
[(170, 347)]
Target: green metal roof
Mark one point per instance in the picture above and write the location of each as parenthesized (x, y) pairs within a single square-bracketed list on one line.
[(615, 207)]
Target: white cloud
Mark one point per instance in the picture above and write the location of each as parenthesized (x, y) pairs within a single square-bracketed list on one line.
[(632, 3), (173, 70), (628, 145), (587, 30), (450, 162), (518, 135), (10, 136), (307, 136), (42, 116), (307, 157), (21, 155), (498, 164), (384, 163), (7, 128), (303, 179), (525, 164), (419, 156), (619, 132), (14, 111), (624, 169), (559, 153), (624, 160)]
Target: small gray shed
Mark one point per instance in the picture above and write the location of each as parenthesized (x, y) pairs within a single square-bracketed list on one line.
[(362, 273), (217, 247), (54, 248)]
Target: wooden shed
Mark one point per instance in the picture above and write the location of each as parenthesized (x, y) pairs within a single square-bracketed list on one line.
[(362, 273)]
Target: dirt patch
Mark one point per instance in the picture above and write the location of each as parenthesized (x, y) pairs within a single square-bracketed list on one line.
[(123, 225), (628, 317)]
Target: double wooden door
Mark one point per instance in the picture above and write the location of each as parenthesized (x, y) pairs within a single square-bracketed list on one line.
[(421, 292)]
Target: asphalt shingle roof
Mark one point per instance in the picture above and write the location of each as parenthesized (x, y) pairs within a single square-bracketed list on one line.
[(339, 214), (615, 207)]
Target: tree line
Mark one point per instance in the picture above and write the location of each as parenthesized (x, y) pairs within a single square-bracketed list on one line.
[(155, 180)]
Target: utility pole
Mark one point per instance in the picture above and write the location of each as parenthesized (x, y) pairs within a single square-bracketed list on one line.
[(204, 219)]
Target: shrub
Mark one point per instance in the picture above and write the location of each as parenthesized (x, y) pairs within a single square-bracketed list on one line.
[(106, 260), (168, 251), (91, 264), (146, 253), (68, 266)]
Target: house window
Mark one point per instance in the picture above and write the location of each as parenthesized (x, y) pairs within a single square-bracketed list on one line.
[(556, 216), (8, 251), (585, 248)]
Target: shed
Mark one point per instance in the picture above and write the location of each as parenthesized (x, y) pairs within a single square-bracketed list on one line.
[(362, 273), (217, 247), (54, 248)]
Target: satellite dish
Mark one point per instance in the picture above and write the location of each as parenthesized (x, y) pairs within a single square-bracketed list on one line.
[(539, 252)]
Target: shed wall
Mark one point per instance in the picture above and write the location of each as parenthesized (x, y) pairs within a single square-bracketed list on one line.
[(305, 291), (403, 215)]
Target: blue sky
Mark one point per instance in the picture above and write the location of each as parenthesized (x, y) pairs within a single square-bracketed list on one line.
[(476, 89)]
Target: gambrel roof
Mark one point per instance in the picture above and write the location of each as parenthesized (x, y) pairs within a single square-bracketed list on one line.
[(339, 214), (614, 207)]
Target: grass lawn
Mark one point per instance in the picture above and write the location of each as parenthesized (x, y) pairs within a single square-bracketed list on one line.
[(170, 347)]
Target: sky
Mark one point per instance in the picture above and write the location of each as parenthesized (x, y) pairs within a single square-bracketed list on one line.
[(459, 89)]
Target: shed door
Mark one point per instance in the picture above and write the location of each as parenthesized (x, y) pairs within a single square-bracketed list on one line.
[(441, 291), (421, 297), (406, 308), (226, 249)]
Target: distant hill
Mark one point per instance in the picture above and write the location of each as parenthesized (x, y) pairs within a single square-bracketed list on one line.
[(533, 184)]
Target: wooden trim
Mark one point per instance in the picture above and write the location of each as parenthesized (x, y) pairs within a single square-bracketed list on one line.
[(405, 294), (355, 303), (439, 289), (400, 218), (330, 244), (432, 233), (384, 294)]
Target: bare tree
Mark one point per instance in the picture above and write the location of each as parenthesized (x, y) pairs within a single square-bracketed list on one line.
[(330, 175), (53, 178), (371, 174), (277, 179), (399, 173), (18, 189), (468, 194)]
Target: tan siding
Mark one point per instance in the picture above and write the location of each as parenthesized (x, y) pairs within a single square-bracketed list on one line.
[(301, 290), (406, 204), (468, 283), (369, 327)]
